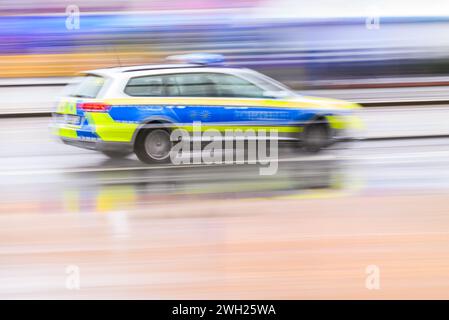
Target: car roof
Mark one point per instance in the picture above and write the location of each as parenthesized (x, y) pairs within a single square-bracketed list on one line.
[(115, 70)]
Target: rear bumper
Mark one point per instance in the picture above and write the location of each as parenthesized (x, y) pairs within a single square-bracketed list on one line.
[(98, 145), (86, 139)]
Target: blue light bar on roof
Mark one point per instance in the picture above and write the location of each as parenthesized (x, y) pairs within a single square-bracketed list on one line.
[(198, 58)]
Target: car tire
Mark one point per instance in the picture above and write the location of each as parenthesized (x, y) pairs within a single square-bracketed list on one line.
[(153, 146), (116, 154), (316, 136)]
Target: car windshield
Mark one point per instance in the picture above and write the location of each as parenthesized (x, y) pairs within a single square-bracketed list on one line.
[(88, 87)]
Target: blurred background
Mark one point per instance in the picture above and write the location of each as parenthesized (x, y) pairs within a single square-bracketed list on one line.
[(119, 229), (295, 40)]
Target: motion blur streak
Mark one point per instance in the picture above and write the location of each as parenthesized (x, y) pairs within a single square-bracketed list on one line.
[(291, 40), (75, 224)]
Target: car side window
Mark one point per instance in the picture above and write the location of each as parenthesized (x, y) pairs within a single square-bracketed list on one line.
[(227, 85), (214, 85), (194, 85), (150, 86), (171, 87)]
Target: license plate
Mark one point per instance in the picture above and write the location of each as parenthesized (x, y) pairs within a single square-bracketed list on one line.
[(71, 119)]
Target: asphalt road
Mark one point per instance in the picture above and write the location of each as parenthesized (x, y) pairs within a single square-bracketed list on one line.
[(222, 231)]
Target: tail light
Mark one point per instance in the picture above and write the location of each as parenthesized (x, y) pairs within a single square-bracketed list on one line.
[(93, 107)]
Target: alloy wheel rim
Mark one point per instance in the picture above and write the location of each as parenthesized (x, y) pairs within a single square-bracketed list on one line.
[(158, 144)]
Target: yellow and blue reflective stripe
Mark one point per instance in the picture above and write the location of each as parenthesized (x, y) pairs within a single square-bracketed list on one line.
[(108, 129), (120, 123), (303, 103), (223, 128)]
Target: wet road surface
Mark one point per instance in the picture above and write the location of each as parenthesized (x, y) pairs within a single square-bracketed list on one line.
[(223, 231)]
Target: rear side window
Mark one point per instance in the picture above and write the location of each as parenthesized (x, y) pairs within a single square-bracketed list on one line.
[(193, 85), (151, 86), (89, 87)]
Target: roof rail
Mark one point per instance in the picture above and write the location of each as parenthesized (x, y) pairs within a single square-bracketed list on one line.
[(161, 67)]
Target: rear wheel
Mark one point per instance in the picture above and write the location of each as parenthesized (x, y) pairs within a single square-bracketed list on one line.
[(153, 146), (316, 137)]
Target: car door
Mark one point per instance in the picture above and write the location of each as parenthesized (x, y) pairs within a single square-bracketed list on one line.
[(196, 92), (222, 100), (182, 97), (247, 103)]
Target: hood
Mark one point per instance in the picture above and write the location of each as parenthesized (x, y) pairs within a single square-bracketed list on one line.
[(326, 103)]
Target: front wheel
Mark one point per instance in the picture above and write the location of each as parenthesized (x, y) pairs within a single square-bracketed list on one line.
[(316, 137), (153, 146)]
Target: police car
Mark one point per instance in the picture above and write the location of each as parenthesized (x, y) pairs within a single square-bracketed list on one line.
[(123, 110)]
